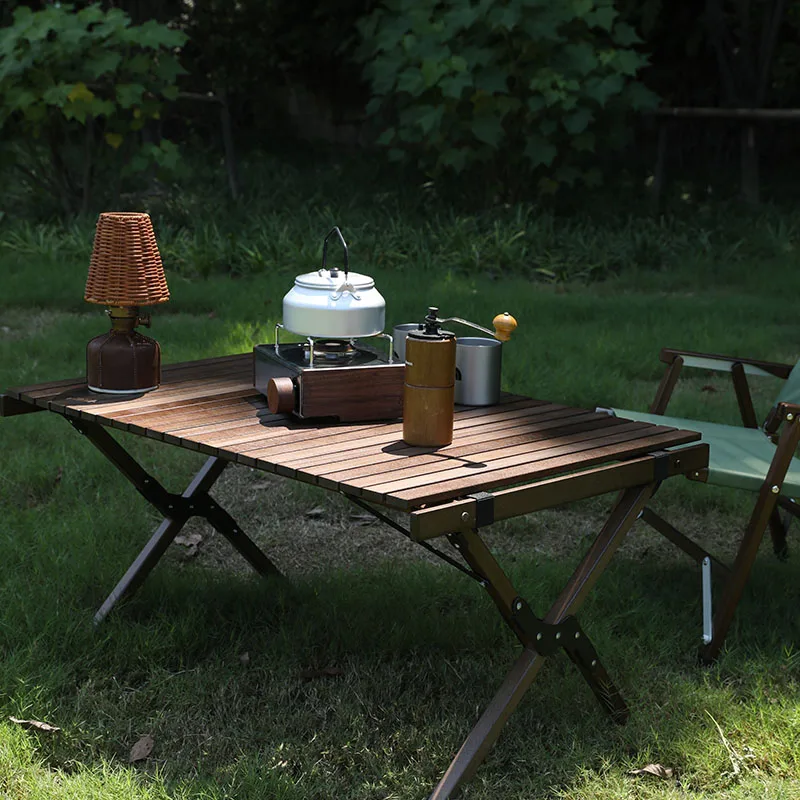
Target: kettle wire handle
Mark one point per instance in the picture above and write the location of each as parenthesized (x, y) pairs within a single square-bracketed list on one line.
[(335, 230)]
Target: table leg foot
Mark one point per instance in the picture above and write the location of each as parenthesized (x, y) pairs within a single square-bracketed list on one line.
[(485, 733)]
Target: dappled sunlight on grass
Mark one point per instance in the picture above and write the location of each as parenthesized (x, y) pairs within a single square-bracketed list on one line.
[(362, 678)]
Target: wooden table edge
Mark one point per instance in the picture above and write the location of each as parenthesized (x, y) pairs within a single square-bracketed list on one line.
[(690, 460)]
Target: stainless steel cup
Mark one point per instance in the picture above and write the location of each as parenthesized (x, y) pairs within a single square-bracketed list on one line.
[(399, 333), (478, 366)]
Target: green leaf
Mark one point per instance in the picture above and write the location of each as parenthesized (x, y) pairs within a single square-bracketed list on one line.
[(102, 63), (18, 98), (492, 80), (539, 152), (129, 94), (57, 95), (458, 19), (410, 80), (458, 64), (625, 35), (640, 98), (430, 117), (155, 35), (431, 72), (577, 121), (504, 17), (387, 137), (167, 68), (170, 92), (391, 32), (453, 86), (580, 57), (455, 158), (535, 103), (101, 108), (487, 128), (600, 89), (601, 18), (628, 62)]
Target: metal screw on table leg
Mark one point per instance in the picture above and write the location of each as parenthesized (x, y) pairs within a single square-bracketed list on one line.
[(538, 637), (776, 489), (577, 634), (465, 516), (518, 605), (558, 635), (594, 662)]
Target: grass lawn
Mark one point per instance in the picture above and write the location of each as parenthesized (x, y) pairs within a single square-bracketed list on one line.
[(227, 672)]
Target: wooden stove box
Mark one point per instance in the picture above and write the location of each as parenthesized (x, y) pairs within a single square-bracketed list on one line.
[(351, 393)]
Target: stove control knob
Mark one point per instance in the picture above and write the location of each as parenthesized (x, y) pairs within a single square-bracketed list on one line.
[(280, 395)]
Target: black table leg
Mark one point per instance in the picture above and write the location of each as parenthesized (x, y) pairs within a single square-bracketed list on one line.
[(177, 509)]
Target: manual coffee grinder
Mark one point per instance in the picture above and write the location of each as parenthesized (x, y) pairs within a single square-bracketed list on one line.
[(428, 393)]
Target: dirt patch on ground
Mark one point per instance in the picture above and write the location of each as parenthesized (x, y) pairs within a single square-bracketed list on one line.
[(306, 530)]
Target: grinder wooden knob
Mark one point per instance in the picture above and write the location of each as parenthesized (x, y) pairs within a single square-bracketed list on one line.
[(504, 325), (280, 395)]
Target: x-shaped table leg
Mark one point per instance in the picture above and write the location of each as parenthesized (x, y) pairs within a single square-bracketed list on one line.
[(176, 509), (541, 638)]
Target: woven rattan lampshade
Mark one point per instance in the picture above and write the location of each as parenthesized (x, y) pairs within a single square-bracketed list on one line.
[(125, 269)]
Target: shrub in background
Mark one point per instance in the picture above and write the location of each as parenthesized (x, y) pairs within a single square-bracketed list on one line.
[(76, 88), (512, 89)]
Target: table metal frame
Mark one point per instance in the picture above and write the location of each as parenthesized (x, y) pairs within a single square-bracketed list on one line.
[(457, 510)]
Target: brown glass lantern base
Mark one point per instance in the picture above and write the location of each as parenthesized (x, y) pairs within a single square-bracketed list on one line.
[(123, 362)]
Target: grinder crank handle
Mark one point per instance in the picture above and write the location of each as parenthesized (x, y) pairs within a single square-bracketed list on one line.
[(504, 325)]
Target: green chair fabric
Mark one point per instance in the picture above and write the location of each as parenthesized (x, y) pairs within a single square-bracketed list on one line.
[(790, 391), (738, 457)]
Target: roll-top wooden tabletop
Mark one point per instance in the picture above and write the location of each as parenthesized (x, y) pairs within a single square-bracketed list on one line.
[(211, 406)]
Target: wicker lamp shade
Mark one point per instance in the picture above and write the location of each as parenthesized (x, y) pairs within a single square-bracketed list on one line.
[(125, 269)]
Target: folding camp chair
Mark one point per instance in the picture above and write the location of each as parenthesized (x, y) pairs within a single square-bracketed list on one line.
[(759, 459)]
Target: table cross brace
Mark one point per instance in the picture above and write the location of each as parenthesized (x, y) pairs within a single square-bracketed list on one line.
[(557, 629), (176, 510)]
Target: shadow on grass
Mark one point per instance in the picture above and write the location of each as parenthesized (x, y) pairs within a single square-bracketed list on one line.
[(363, 684)]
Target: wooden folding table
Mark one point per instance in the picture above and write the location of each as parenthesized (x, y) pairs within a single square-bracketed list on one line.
[(519, 456)]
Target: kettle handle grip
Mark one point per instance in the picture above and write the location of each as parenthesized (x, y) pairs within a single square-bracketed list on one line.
[(335, 230)]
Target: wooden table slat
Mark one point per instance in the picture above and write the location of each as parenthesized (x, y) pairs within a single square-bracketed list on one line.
[(390, 432), (420, 496), (527, 452), (85, 401), (211, 405), (191, 403), (297, 431), (384, 463)]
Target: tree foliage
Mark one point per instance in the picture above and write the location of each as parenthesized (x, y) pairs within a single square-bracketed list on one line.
[(521, 87), (77, 88)]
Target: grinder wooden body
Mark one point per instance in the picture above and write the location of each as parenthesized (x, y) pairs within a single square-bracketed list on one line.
[(428, 393)]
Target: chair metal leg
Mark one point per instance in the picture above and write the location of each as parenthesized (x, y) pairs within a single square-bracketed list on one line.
[(176, 509), (541, 638), (748, 548)]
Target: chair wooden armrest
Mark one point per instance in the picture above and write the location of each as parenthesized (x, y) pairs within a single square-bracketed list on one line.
[(780, 412), (739, 368), (722, 363)]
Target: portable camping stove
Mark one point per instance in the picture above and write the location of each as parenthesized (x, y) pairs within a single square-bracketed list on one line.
[(323, 377)]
